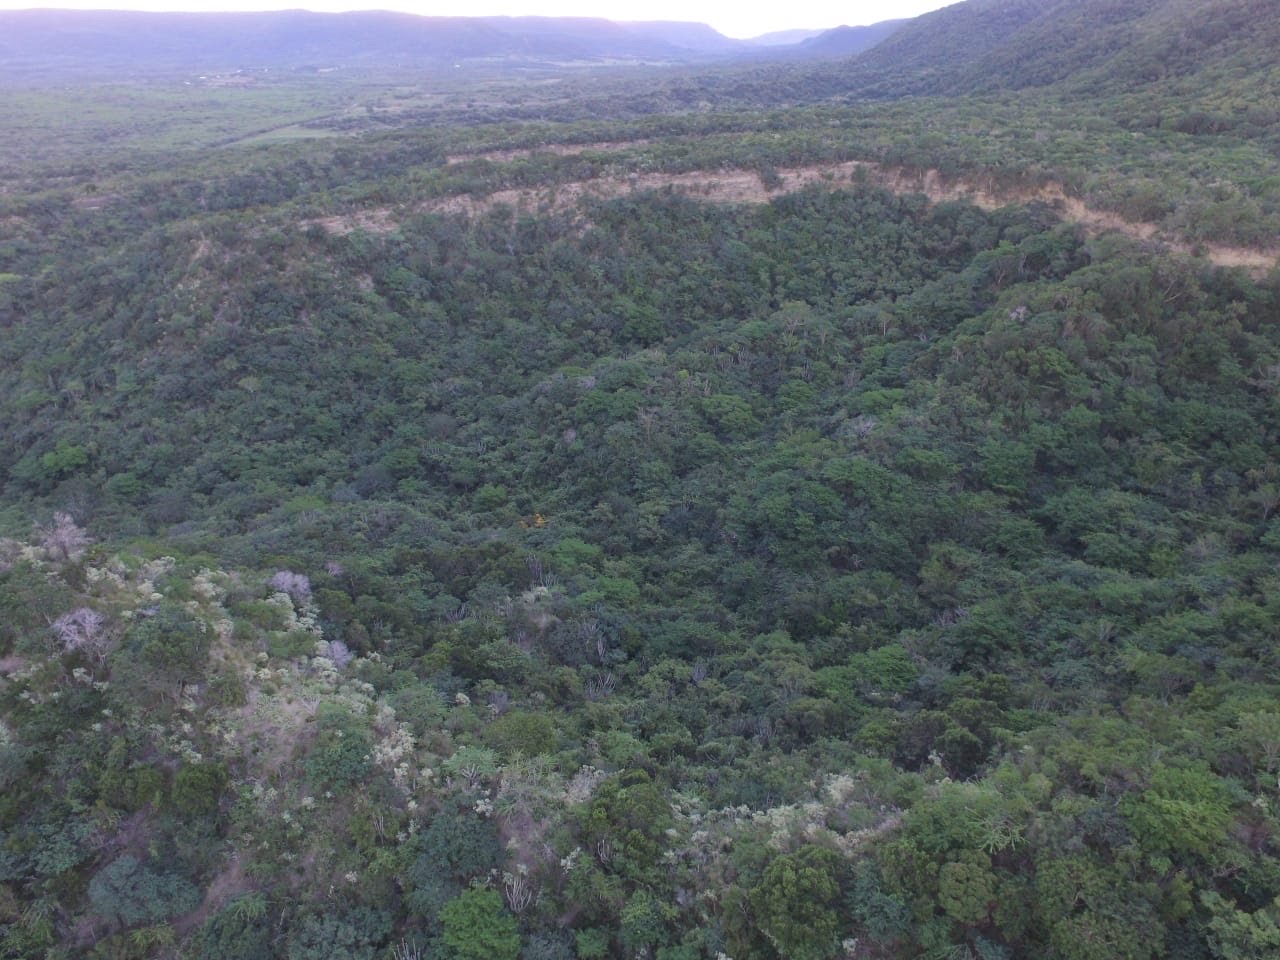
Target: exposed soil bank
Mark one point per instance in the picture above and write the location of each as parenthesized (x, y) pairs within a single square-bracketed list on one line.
[(747, 186)]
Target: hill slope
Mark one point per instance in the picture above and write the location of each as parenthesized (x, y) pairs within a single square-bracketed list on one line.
[(407, 551), (1090, 45), (847, 41)]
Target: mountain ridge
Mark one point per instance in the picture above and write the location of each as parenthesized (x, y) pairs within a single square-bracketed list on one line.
[(139, 42), (295, 37)]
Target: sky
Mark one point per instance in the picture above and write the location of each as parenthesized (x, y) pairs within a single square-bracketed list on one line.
[(734, 18)]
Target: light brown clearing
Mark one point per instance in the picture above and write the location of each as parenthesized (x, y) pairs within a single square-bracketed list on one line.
[(738, 185), (375, 220), (270, 727), (225, 887), (94, 201)]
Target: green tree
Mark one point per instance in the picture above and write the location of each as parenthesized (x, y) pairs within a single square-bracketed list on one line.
[(477, 926), (796, 904), (522, 732), (1184, 810), (162, 651), (1237, 935), (644, 924), (628, 817)]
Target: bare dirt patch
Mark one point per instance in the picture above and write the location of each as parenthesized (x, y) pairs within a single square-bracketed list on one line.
[(373, 220), (94, 201), (226, 886), (270, 728), (1257, 262)]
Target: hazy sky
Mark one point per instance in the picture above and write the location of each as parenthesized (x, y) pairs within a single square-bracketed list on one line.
[(736, 19)]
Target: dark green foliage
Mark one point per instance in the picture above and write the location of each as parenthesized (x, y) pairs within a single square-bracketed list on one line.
[(239, 931), (548, 946), (455, 847), (644, 923), (197, 788), (354, 935), (165, 649), (1183, 811), (592, 944), (128, 892), (340, 755), (457, 844), (28, 604), (630, 814)]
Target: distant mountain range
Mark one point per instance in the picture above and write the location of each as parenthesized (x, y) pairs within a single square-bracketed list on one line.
[(781, 38), (138, 42), (846, 41)]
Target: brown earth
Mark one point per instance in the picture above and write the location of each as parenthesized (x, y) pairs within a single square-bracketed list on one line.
[(225, 887), (746, 186), (376, 220)]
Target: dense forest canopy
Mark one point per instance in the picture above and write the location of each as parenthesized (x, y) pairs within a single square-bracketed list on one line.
[(769, 511)]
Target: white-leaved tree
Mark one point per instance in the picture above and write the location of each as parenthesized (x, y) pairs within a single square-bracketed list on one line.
[(296, 585), (63, 539), (82, 629)]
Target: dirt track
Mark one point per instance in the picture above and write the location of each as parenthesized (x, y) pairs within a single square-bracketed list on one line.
[(746, 186)]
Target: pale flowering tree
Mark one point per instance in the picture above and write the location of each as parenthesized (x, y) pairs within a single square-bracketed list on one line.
[(339, 653), (63, 539), (296, 585), (82, 629)]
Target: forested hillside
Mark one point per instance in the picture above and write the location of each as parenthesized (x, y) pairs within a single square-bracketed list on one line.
[(444, 522), (1097, 45)]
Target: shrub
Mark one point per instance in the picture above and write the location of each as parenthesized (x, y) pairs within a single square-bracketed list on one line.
[(356, 935), (342, 753), (128, 892)]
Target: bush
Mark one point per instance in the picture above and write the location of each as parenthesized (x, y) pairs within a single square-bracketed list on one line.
[(197, 788), (353, 936), (240, 931), (523, 732), (127, 892), (547, 946), (164, 650), (341, 755)]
